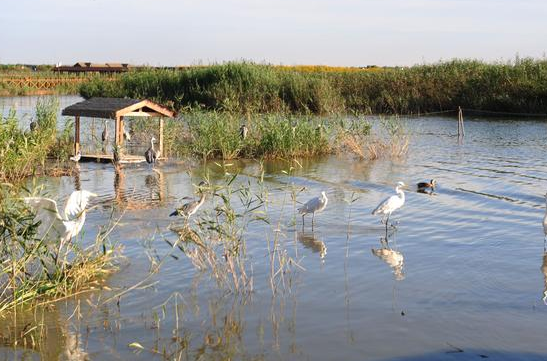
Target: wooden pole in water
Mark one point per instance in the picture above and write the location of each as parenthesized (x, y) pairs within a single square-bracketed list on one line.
[(161, 136), (76, 134), (461, 130)]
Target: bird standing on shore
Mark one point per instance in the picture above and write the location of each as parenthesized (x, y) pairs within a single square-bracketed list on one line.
[(317, 204), (150, 155), (55, 226), (188, 209), (390, 204)]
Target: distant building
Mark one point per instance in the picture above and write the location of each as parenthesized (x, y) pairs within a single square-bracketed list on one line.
[(88, 67)]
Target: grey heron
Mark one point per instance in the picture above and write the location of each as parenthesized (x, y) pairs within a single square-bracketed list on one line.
[(390, 204), (243, 131), (104, 134), (150, 155), (188, 209), (312, 206), (60, 227)]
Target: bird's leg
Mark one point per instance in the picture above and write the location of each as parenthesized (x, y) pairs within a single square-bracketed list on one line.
[(312, 220), (387, 222), (303, 222)]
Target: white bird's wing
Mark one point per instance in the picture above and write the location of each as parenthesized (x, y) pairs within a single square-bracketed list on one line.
[(75, 205), (388, 205), (46, 212)]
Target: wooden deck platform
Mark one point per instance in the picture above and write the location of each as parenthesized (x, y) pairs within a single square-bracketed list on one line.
[(108, 158)]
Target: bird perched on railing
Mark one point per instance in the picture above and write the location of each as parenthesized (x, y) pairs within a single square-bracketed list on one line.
[(390, 204), (60, 227), (317, 204), (188, 209)]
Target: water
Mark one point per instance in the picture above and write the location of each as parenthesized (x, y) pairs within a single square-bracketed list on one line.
[(471, 284)]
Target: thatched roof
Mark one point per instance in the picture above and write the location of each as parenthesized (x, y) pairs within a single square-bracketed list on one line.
[(115, 107)]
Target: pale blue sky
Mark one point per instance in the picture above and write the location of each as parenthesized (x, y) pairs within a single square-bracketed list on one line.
[(330, 32)]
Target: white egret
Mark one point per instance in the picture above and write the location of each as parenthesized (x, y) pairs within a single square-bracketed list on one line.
[(312, 206), (243, 131), (188, 209), (76, 157), (151, 155), (390, 204), (56, 226), (126, 134)]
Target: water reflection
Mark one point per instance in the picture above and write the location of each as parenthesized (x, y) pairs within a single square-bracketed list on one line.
[(391, 257), (544, 271), (311, 241), (45, 332), (151, 195)]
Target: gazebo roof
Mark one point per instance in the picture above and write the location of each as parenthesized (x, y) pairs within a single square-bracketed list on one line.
[(112, 108)]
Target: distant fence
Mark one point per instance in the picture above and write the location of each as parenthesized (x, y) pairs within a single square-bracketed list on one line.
[(42, 83)]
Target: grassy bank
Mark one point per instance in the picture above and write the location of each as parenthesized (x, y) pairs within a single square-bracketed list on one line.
[(519, 86)]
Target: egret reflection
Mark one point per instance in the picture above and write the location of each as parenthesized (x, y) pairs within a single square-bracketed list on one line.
[(544, 271), (393, 258), (311, 241)]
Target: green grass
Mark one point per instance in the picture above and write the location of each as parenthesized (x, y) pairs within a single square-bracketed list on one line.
[(24, 152), (216, 135), (518, 86)]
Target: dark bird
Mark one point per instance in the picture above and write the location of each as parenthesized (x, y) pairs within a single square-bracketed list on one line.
[(188, 209), (427, 185), (33, 125), (150, 155), (104, 134)]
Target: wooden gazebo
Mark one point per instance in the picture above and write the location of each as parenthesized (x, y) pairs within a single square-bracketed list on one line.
[(116, 109)]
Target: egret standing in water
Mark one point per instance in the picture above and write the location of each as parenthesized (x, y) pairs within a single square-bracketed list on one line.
[(391, 204), (150, 155), (61, 227), (188, 209), (316, 204)]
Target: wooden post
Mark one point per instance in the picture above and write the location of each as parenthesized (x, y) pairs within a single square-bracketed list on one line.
[(161, 137), (76, 134), (461, 130), (121, 130), (117, 131)]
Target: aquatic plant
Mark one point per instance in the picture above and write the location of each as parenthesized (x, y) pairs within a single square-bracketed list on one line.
[(29, 273)]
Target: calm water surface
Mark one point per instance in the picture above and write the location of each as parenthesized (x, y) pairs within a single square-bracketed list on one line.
[(470, 284)]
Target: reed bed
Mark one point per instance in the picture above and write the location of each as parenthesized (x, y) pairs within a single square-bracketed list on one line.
[(516, 86), (216, 135), (24, 152)]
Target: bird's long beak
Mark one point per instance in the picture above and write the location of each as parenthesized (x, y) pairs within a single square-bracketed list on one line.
[(93, 194)]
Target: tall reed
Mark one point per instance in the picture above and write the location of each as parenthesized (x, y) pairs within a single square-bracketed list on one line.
[(517, 86)]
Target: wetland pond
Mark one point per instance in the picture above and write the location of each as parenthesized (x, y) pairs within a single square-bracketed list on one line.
[(462, 277)]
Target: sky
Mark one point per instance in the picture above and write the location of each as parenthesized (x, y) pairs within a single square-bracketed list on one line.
[(326, 32)]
